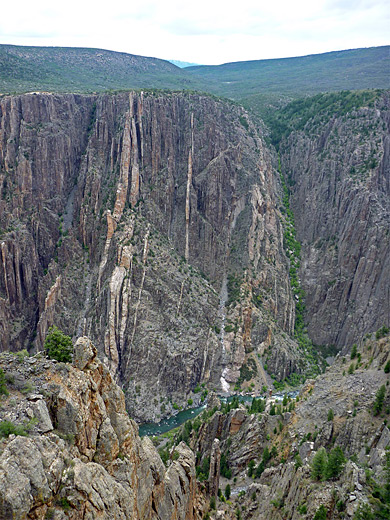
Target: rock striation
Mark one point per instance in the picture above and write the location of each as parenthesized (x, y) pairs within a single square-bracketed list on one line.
[(339, 170), (151, 223)]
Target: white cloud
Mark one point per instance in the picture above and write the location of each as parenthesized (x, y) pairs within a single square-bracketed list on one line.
[(205, 32)]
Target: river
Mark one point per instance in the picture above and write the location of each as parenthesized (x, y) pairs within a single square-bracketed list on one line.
[(152, 429)]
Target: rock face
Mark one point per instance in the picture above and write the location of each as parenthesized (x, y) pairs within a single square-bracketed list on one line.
[(83, 457), (215, 462), (151, 223), (339, 170), (284, 487)]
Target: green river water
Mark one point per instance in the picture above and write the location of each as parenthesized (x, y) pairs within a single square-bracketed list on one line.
[(190, 413)]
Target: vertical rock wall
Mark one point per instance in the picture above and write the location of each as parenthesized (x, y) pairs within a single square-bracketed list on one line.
[(144, 205), (340, 176)]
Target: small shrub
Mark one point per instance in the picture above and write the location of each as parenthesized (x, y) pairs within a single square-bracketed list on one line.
[(227, 491), (22, 354), (298, 461), (321, 513), (28, 388), (58, 346), (3, 386), (387, 367), (64, 503), (8, 428), (382, 332), (330, 415), (354, 351), (340, 505), (302, 509)]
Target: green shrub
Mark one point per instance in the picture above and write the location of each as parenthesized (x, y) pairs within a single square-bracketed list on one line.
[(382, 332), (379, 399), (298, 461), (336, 461), (3, 385), (58, 346), (387, 367), (302, 509), (330, 415), (321, 513), (64, 503), (21, 354), (318, 465), (227, 491), (354, 351), (8, 428)]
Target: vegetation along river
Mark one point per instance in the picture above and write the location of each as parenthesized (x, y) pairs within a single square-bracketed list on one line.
[(190, 413)]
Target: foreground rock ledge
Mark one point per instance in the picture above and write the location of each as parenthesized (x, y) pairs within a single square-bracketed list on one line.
[(83, 457)]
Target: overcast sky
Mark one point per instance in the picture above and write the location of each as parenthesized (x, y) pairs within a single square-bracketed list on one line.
[(205, 31)]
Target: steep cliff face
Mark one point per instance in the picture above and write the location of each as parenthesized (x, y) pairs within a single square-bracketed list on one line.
[(339, 171), (83, 457), (150, 222), (42, 139)]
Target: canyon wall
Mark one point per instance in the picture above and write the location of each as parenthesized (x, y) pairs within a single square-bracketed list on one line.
[(152, 223), (338, 167)]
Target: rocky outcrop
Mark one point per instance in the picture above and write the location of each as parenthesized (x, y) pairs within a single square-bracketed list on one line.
[(283, 443), (215, 463), (155, 231), (339, 170), (83, 457)]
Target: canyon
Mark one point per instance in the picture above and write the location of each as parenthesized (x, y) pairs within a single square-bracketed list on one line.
[(186, 256)]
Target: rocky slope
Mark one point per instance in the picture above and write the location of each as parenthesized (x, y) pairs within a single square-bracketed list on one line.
[(150, 222), (338, 167), (82, 457), (284, 487)]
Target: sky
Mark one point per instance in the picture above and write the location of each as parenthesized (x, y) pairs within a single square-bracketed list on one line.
[(204, 32)]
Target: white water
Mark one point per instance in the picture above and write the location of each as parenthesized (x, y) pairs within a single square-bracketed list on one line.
[(222, 314), (222, 311), (224, 384)]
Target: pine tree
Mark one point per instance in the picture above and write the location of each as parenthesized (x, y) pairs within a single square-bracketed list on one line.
[(336, 461), (380, 397), (318, 465)]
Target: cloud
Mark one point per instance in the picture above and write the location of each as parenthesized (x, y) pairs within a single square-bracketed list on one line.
[(210, 32)]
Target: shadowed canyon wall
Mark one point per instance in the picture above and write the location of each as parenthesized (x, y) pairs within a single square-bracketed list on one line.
[(339, 172)]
